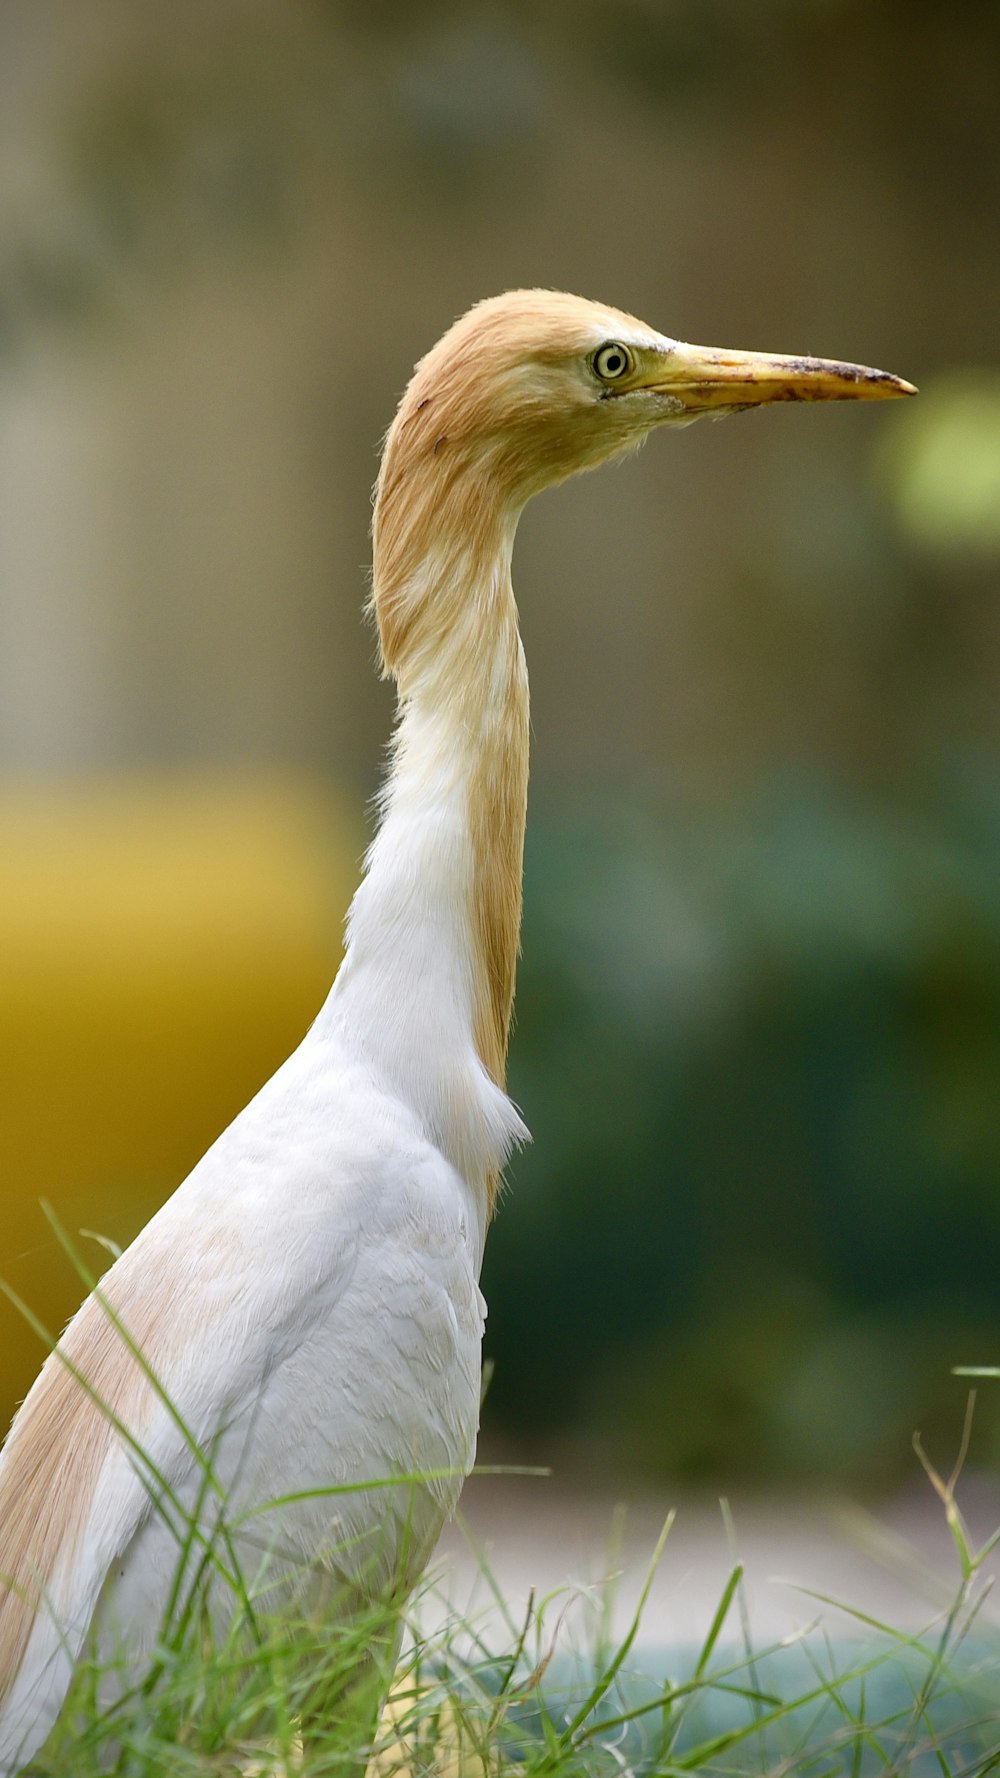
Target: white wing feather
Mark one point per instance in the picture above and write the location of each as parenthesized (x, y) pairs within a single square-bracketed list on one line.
[(316, 1272)]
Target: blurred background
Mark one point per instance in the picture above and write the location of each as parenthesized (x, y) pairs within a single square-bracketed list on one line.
[(758, 1037)]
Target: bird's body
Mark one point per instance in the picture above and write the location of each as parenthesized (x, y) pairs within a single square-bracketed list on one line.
[(328, 1257), (304, 1313)]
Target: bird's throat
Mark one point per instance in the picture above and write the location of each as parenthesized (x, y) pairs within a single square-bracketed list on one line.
[(434, 931)]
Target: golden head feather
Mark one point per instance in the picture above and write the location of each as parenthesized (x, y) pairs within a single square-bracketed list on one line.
[(534, 386)]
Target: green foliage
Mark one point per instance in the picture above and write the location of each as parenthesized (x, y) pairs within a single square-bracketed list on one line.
[(758, 1051), (942, 467)]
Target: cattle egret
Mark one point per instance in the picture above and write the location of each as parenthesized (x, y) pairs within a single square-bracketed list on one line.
[(308, 1300)]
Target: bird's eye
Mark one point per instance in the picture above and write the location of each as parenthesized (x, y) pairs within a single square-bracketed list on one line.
[(612, 362)]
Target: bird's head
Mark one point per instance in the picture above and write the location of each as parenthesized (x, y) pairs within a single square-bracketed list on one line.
[(534, 386)]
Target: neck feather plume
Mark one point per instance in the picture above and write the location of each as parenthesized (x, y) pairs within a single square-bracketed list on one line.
[(436, 921)]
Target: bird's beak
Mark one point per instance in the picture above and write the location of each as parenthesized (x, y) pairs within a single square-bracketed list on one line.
[(707, 377)]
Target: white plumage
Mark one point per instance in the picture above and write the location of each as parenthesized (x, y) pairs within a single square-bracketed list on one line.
[(307, 1304), (318, 1271)]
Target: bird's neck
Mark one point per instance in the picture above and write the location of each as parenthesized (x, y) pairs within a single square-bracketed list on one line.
[(426, 988)]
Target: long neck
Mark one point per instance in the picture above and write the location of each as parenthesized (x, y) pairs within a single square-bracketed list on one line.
[(426, 988)]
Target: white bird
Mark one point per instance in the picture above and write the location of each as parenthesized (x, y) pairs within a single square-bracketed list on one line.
[(308, 1300)]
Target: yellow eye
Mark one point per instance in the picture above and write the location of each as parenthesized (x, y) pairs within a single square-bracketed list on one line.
[(612, 361)]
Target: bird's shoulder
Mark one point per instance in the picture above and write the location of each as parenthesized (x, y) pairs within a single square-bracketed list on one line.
[(323, 1200), (323, 1161)]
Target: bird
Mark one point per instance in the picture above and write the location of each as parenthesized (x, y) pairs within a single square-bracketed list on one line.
[(303, 1315)]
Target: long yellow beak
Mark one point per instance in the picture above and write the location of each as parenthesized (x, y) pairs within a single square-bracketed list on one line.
[(704, 377)]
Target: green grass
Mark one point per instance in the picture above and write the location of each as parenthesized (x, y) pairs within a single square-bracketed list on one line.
[(550, 1695)]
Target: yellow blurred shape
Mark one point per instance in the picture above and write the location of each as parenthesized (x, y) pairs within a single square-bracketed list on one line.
[(941, 463), (164, 943), (413, 1742)]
